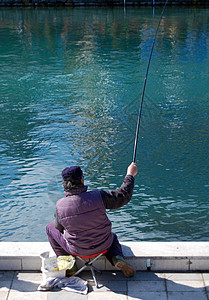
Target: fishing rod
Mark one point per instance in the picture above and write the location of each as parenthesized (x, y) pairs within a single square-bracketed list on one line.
[(144, 86)]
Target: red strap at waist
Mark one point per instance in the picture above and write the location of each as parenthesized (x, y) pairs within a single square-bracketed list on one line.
[(90, 256)]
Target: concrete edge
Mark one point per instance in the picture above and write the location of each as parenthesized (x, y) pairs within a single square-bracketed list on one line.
[(151, 256)]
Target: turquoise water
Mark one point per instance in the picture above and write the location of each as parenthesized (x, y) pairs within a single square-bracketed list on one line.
[(71, 82)]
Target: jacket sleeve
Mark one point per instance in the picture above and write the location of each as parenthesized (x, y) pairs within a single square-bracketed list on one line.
[(117, 198), (57, 223)]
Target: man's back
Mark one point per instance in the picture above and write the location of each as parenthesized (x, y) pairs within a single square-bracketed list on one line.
[(86, 224)]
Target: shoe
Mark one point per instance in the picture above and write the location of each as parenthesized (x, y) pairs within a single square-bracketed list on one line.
[(120, 264)]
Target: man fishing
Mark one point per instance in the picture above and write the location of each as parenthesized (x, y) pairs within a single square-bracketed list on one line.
[(81, 224)]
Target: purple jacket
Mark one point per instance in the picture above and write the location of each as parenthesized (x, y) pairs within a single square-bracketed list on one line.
[(83, 216)]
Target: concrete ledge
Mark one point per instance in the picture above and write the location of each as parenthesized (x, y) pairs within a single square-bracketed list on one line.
[(153, 256)]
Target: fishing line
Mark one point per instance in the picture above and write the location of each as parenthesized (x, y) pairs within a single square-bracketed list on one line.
[(144, 86)]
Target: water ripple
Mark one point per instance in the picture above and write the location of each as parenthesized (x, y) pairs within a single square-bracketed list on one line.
[(71, 96)]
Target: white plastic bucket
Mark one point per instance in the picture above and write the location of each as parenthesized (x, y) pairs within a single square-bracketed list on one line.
[(58, 274), (49, 266)]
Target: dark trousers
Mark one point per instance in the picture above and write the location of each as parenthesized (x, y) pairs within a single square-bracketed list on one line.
[(60, 246)]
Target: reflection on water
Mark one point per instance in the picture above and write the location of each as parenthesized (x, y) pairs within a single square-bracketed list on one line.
[(71, 82)]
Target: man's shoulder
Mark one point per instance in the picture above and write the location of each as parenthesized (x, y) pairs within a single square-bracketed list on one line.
[(92, 193), (61, 200)]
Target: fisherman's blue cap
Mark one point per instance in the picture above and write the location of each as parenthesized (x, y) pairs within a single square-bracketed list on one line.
[(73, 173)]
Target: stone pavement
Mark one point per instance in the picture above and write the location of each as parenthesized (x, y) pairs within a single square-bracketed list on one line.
[(22, 285)]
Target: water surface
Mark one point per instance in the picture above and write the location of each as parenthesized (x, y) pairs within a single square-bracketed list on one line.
[(71, 82)]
